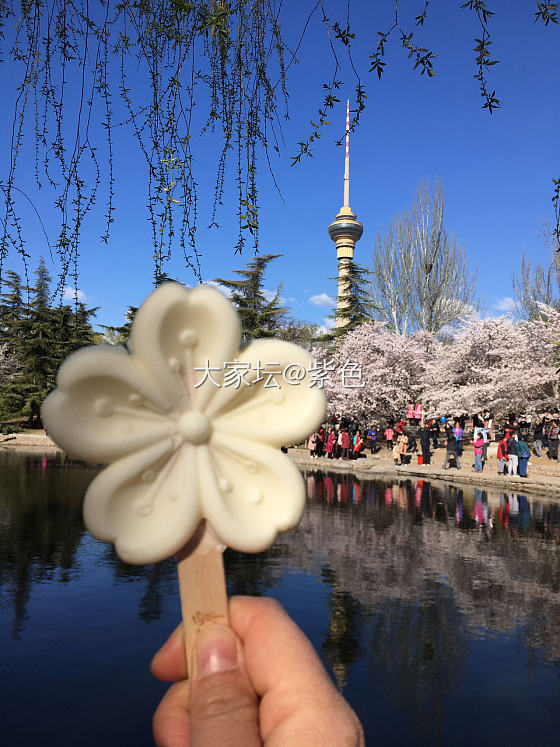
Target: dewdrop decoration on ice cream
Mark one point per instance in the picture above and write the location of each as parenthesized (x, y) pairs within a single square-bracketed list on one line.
[(181, 449)]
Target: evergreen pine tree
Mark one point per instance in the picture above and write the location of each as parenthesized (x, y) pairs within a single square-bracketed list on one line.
[(71, 329), (83, 331), (39, 349), (161, 277), (12, 312), (259, 317), (62, 324), (38, 338), (119, 335), (355, 302), (13, 330)]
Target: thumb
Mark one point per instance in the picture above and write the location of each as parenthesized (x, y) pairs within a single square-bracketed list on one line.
[(223, 704)]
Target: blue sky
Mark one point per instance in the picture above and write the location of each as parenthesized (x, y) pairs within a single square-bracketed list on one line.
[(496, 170)]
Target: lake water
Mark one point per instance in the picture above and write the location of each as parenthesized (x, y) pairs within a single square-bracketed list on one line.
[(435, 608)]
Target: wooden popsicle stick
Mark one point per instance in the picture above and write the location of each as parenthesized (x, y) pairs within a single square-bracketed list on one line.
[(202, 586)]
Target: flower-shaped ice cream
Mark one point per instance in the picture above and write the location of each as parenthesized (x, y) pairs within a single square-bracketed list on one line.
[(189, 425)]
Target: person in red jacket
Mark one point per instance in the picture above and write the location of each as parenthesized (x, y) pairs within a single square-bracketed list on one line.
[(345, 444), (502, 454), (329, 446)]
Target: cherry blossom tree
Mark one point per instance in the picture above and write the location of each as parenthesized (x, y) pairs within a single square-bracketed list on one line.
[(375, 373), (495, 363)]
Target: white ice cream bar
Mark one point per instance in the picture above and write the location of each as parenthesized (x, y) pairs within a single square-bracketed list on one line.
[(189, 425)]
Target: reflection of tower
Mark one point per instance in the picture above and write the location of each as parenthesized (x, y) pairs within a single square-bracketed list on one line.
[(345, 231), (342, 641)]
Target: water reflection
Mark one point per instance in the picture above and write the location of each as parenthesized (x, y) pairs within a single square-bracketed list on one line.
[(471, 507), (40, 529), (497, 552), (42, 534), (400, 584), (419, 651), (342, 643), (434, 568)]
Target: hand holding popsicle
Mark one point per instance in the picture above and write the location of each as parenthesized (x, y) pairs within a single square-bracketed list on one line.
[(190, 457), (276, 692)]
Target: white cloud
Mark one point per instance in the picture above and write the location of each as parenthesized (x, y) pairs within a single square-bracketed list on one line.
[(222, 288), (327, 325), (507, 303), (271, 295), (322, 299), (70, 294)]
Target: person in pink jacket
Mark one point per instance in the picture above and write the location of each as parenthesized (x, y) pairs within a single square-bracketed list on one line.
[(478, 445), (312, 445), (389, 435)]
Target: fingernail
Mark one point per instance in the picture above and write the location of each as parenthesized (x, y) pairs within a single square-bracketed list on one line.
[(216, 651)]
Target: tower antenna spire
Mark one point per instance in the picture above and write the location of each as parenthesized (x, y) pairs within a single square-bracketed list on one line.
[(345, 231), (347, 158)]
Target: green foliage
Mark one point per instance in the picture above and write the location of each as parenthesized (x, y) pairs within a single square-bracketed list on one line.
[(39, 337), (547, 13), (355, 302), (260, 317), (38, 346), (118, 335), (301, 333), (11, 312)]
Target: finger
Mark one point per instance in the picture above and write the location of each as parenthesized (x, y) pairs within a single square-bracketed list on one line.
[(254, 619), (300, 704), (169, 663), (171, 719), (224, 705)]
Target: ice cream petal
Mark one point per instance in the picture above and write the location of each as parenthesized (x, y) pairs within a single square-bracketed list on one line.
[(273, 407), (105, 405), (146, 503), (178, 334), (249, 492)]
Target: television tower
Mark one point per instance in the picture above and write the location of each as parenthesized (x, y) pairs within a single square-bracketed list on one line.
[(345, 231)]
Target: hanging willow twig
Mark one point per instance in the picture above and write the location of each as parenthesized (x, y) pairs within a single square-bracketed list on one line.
[(166, 71), (83, 62)]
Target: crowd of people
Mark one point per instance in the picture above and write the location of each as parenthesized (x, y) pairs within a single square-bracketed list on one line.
[(336, 443), (406, 440)]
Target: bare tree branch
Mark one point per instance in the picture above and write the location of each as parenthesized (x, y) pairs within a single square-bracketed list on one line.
[(392, 277), (537, 284), (420, 274)]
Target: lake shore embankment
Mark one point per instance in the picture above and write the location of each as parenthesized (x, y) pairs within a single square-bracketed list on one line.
[(543, 474)]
